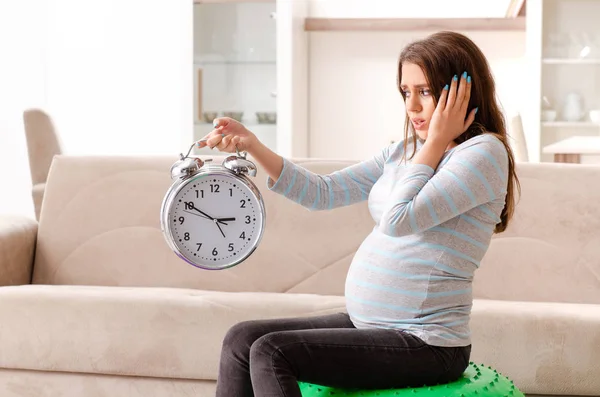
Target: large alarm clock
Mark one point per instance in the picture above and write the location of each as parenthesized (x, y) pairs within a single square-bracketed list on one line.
[(213, 215)]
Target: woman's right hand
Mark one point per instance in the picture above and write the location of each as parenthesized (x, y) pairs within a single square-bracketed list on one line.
[(450, 118), (227, 134)]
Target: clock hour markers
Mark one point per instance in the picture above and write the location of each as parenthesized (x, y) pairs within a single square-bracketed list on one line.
[(231, 207), (213, 217)]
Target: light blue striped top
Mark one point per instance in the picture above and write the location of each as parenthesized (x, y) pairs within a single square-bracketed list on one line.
[(414, 271)]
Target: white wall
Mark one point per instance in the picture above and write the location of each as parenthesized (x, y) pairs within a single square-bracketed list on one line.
[(355, 106), (352, 117), (119, 75), (22, 33), (115, 76)]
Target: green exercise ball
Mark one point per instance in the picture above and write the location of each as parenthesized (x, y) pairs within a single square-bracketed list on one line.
[(477, 380)]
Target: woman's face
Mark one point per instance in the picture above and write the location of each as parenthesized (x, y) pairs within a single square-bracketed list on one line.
[(419, 101)]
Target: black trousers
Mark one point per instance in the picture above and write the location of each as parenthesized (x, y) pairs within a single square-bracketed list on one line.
[(266, 358)]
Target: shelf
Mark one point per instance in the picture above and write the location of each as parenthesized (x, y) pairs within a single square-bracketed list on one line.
[(574, 124), (414, 24), (222, 63), (570, 61), (231, 1), (575, 145)]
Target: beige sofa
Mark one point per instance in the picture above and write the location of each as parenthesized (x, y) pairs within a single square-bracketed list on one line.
[(93, 303)]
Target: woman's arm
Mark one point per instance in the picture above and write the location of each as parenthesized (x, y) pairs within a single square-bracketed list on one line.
[(270, 161), (315, 192), (430, 153), (319, 192), (423, 199)]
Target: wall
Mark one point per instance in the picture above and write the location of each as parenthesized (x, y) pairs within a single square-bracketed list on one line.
[(116, 79), (22, 32), (354, 104), (119, 74)]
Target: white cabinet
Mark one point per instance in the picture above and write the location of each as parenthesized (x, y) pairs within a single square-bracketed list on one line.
[(564, 48), (248, 64)]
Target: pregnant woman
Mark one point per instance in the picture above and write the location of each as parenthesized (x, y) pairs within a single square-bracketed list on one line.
[(436, 198)]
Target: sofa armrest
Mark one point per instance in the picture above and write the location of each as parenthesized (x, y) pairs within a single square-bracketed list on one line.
[(17, 249), (546, 348)]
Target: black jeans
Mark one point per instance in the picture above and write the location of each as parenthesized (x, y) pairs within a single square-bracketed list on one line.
[(266, 358)]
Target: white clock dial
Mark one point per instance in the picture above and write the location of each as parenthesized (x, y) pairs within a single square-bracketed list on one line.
[(215, 221)]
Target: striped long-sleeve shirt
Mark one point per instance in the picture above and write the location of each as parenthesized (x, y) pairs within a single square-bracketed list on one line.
[(414, 271)]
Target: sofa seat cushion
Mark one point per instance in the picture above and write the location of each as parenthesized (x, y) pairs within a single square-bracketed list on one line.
[(546, 348), (139, 331)]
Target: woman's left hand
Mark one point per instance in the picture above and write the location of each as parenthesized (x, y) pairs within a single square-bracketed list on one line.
[(448, 120)]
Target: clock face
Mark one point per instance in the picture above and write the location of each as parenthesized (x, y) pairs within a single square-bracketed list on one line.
[(215, 221)]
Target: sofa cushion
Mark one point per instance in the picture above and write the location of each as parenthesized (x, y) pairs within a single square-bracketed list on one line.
[(156, 332), (17, 247), (551, 249), (546, 348)]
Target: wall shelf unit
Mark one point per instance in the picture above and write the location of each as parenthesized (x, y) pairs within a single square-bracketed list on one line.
[(253, 68), (414, 24), (564, 47)]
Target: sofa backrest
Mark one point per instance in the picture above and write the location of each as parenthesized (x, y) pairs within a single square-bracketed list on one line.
[(100, 226), (551, 250)]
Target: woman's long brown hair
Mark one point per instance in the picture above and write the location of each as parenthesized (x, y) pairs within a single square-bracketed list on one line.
[(443, 55)]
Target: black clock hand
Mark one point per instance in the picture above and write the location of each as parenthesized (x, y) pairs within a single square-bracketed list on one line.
[(212, 219), (209, 217), (204, 213), (219, 226), (222, 222)]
